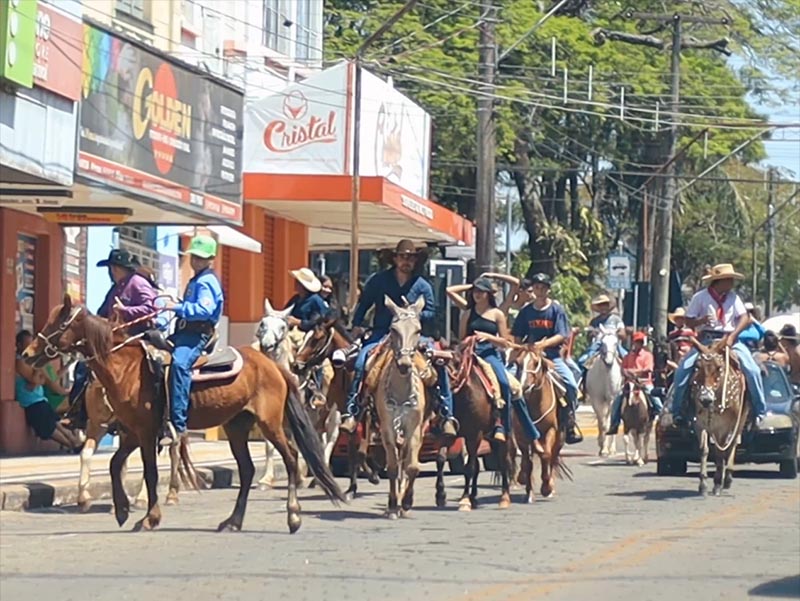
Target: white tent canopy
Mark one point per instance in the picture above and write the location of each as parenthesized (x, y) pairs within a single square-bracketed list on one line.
[(227, 236)]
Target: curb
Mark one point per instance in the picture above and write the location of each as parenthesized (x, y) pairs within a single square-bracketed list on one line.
[(55, 493)]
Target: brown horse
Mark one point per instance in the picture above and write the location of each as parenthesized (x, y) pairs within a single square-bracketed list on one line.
[(636, 421), (474, 409), (718, 391), (261, 391), (542, 398), (320, 344)]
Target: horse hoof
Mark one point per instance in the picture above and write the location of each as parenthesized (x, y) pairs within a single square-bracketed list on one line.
[(703, 489), (464, 505), (172, 499), (122, 516), (717, 491), (391, 515), (640, 462), (531, 499), (294, 522), (84, 505), (312, 483), (146, 523), (504, 504), (374, 479), (603, 453), (229, 526), (266, 484), (441, 501), (406, 513)]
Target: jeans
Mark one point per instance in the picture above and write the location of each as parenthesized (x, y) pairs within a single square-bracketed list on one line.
[(576, 370), (568, 378), (616, 408), (752, 374), (592, 350), (79, 383), (361, 362), (188, 348)]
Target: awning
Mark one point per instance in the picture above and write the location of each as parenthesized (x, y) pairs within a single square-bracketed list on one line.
[(387, 212), (227, 236)]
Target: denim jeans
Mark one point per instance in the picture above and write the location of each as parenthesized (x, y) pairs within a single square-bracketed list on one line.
[(492, 356), (592, 350), (188, 348), (568, 378)]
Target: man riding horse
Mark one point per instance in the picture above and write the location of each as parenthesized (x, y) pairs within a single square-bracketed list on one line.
[(402, 286), (608, 319), (544, 324), (198, 315), (638, 364), (718, 313)]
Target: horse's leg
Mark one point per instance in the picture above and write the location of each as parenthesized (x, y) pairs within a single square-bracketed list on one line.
[(720, 461), (627, 443), (411, 467), (646, 440), (703, 488), (471, 467), (526, 472), (393, 471), (94, 432), (237, 431), (441, 495), (551, 453), (332, 423), (290, 456), (149, 461), (268, 479), (120, 499), (728, 479), (601, 427), (638, 438), (505, 468), (354, 463), (174, 474)]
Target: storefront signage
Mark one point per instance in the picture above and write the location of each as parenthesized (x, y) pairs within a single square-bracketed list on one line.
[(75, 262), (155, 127), (58, 52), (85, 216), (25, 273), (17, 40)]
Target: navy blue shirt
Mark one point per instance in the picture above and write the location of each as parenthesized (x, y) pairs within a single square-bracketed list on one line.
[(385, 283), (308, 309), (533, 325)]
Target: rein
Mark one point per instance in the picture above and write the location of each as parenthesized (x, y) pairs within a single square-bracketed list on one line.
[(732, 436), (319, 355), (465, 367)]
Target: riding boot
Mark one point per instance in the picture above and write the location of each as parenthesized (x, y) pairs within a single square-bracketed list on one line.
[(352, 409), (503, 428), (572, 431)]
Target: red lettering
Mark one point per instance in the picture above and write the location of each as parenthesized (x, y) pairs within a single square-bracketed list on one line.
[(279, 138)]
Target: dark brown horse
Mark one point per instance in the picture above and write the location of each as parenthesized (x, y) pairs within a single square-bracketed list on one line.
[(541, 396), (262, 391), (474, 409)]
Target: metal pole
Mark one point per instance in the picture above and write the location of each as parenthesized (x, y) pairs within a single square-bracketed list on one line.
[(662, 244), (448, 320), (755, 267), (635, 305), (771, 247), (485, 177), (508, 230)]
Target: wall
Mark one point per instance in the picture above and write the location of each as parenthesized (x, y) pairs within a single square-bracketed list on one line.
[(160, 28), (15, 437)]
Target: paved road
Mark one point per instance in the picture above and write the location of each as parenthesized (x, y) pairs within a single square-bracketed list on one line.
[(616, 532)]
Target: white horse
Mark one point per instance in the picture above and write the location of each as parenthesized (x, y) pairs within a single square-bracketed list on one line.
[(603, 384)]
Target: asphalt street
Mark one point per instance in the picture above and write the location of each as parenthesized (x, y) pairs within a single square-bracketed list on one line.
[(616, 532)]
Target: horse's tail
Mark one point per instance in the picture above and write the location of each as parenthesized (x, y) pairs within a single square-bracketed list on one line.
[(305, 435), (186, 470), (561, 469)]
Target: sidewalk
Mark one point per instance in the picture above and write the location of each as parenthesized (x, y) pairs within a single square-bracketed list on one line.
[(52, 480)]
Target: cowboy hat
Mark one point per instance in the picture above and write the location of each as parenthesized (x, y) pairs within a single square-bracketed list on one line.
[(307, 279), (406, 247), (679, 312), (120, 257), (723, 271), (601, 300), (788, 332)]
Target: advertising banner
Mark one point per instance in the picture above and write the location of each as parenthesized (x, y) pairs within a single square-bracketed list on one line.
[(154, 127), (59, 52), (25, 272), (75, 263), (17, 40)]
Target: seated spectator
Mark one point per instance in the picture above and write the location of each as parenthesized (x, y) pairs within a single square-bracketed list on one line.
[(54, 389), (772, 351), (789, 342), (29, 389)]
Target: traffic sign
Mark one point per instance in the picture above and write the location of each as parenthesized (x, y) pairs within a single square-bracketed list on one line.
[(619, 271)]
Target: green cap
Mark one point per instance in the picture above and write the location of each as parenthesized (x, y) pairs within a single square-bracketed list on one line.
[(204, 247)]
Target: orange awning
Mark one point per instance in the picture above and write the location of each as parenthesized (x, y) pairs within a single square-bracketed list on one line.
[(387, 212)]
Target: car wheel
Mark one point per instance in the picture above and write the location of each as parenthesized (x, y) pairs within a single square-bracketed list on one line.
[(788, 469), (457, 464)]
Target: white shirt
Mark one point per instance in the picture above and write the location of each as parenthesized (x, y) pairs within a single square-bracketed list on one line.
[(702, 304)]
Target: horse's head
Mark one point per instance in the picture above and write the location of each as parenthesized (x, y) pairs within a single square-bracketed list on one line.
[(608, 345), (533, 368), (315, 344), (69, 329), (404, 332), (708, 376), (272, 329)]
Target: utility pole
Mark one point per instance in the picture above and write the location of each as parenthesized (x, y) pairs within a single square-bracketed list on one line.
[(508, 230), (662, 234), (485, 176), (770, 246), (356, 184)]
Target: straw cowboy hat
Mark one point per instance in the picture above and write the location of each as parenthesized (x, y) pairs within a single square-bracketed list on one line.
[(679, 312), (601, 300), (723, 271), (307, 279)]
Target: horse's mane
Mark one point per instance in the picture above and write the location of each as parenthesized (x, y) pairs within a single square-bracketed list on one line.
[(98, 335)]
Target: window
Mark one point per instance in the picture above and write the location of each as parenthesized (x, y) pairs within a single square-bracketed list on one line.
[(134, 8), (302, 50), (271, 23)]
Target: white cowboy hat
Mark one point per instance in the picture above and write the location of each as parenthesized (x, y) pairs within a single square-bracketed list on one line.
[(307, 278), (723, 271)]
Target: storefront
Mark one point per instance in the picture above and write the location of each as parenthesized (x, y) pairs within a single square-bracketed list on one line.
[(298, 149)]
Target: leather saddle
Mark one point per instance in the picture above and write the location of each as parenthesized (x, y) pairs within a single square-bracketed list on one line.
[(213, 364)]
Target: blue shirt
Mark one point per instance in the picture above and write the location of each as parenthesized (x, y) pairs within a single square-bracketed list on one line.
[(752, 335), (533, 325), (308, 309), (202, 300), (385, 283)]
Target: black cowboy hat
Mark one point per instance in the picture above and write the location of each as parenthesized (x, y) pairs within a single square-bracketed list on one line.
[(122, 258)]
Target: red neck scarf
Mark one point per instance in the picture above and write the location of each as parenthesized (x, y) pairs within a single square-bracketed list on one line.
[(720, 300)]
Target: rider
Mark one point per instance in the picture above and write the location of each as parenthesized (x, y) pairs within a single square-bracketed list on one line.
[(609, 319), (130, 297), (400, 284), (307, 304), (483, 319), (753, 334), (544, 323), (638, 365), (198, 315), (718, 313)]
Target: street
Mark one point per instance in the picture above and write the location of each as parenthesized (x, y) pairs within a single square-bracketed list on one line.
[(615, 532)]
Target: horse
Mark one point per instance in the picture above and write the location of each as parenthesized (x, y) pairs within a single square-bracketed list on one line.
[(603, 384), (717, 390), (252, 389), (322, 342), (474, 408), (400, 401), (636, 422), (542, 398)]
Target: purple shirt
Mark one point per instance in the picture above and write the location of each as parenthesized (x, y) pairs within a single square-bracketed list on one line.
[(137, 296)]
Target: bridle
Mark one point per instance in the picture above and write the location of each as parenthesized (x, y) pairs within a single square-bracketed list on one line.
[(51, 351), (401, 353), (318, 356)]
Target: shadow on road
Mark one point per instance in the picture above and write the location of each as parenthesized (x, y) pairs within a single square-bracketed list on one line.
[(658, 495), (784, 588)]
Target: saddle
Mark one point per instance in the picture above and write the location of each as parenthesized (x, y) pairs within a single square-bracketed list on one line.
[(472, 363), (221, 364), (379, 357)]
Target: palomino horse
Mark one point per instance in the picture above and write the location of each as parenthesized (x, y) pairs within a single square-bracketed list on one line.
[(260, 391), (718, 393), (401, 403), (603, 384), (542, 399), (474, 409), (636, 422), (321, 343)]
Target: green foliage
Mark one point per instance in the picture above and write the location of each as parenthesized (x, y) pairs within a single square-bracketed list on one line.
[(571, 293)]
